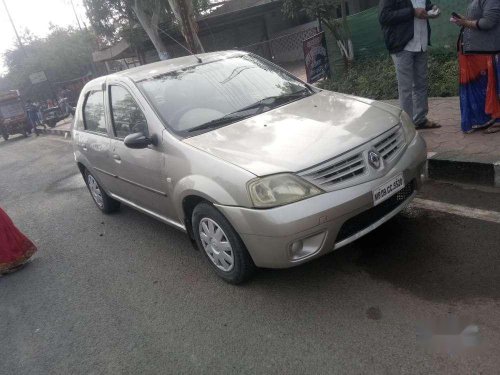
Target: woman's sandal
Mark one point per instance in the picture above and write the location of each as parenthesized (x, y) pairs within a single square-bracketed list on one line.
[(495, 128), (427, 124)]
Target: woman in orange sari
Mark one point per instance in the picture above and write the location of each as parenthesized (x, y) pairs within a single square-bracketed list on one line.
[(479, 60), (15, 248)]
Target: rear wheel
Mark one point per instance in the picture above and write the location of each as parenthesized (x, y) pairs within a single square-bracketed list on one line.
[(221, 245), (102, 200), (5, 136)]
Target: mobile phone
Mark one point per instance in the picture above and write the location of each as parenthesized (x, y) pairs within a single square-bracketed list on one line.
[(456, 15)]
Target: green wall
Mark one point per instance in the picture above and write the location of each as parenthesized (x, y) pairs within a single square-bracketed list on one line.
[(368, 40)]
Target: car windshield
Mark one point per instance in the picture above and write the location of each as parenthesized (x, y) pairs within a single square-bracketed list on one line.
[(211, 95)]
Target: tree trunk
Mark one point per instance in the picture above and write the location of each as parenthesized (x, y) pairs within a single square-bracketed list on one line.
[(342, 34), (347, 40), (337, 35), (183, 11), (150, 25)]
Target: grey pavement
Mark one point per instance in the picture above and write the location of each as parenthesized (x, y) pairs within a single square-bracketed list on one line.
[(65, 124), (63, 127), (449, 141), (125, 294)]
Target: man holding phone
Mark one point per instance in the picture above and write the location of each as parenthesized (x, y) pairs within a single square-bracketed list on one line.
[(407, 32)]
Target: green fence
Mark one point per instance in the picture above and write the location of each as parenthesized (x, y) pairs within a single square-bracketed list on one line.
[(368, 40)]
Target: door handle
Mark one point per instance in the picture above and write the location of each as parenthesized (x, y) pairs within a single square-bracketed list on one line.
[(84, 148), (117, 157)]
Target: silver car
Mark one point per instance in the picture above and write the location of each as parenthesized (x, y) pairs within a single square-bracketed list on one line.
[(257, 167)]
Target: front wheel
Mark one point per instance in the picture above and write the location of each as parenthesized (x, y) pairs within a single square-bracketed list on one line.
[(102, 200), (221, 245)]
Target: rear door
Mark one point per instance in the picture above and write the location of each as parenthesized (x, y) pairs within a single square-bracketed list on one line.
[(93, 139), (141, 172)]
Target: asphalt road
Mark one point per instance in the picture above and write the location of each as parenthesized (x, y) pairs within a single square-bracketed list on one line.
[(127, 294)]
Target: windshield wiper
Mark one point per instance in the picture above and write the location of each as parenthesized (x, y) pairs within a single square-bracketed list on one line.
[(224, 120), (260, 105), (278, 99)]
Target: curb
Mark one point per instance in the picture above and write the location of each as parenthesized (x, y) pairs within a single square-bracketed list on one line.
[(64, 133), (473, 170)]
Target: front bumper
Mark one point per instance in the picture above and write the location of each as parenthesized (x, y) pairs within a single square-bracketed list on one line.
[(270, 234)]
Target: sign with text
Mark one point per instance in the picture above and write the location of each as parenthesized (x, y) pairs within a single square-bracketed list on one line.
[(316, 57), (38, 77)]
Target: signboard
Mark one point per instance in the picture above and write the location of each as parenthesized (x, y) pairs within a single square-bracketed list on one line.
[(316, 57), (37, 77)]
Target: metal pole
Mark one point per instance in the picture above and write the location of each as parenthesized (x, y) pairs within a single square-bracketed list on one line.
[(92, 65), (13, 26), (76, 15)]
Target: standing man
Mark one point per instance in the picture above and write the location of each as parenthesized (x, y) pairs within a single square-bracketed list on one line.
[(32, 117), (407, 34)]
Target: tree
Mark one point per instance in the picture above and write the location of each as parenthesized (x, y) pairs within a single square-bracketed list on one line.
[(148, 13), (326, 12), (114, 20), (64, 54), (184, 13)]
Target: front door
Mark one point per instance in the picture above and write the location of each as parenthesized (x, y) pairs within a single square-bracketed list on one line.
[(140, 172)]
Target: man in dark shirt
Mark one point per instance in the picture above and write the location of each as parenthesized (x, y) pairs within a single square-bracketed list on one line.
[(405, 24)]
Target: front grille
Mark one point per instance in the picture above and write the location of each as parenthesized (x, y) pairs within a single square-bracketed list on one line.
[(336, 171), (390, 145), (365, 219)]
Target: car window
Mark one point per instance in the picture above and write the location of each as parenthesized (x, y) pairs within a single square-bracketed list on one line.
[(93, 113), (193, 96), (127, 117)]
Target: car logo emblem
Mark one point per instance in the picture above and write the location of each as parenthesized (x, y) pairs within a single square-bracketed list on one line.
[(374, 159)]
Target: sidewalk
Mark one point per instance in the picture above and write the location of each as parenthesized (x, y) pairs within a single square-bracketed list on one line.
[(63, 127), (471, 158)]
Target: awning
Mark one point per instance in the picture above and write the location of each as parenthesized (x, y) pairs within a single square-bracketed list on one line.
[(118, 51)]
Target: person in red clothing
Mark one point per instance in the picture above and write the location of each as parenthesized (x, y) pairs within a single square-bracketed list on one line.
[(15, 248)]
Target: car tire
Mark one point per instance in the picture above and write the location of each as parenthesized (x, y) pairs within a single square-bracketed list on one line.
[(221, 245), (5, 136), (102, 200)]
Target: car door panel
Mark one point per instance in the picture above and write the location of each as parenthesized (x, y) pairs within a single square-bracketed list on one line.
[(140, 173), (96, 149), (93, 139)]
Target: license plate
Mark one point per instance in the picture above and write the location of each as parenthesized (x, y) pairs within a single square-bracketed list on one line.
[(388, 189)]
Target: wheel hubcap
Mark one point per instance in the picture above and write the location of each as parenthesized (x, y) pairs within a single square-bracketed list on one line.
[(95, 191), (216, 244)]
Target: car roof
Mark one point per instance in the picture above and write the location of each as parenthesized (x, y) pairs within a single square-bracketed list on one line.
[(166, 66)]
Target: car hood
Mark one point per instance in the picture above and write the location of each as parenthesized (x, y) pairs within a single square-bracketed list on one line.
[(300, 134)]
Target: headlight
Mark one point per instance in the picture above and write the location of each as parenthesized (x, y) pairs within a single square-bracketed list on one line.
[(280, 189), (408, 126)]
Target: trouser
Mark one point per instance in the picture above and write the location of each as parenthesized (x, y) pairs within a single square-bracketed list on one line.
[(411, 72), (32, 122)]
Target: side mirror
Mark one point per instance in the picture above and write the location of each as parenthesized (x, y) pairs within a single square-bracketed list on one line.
[(137, 140)]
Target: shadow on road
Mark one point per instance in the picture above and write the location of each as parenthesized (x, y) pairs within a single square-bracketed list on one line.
[(433, 256), (12, 139), (72, 181)]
